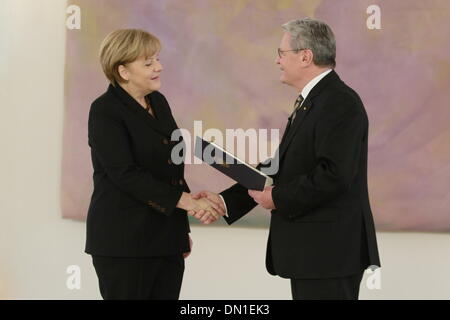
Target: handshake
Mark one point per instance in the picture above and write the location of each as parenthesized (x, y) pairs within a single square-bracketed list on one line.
[(208, 206), (205, 206)]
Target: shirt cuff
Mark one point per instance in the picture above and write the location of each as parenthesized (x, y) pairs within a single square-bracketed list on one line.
[(225, 205)]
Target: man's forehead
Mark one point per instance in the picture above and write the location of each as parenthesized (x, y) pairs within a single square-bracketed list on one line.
[(286, 38)]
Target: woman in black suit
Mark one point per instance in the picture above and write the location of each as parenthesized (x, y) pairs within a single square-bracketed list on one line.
[(137, 224)]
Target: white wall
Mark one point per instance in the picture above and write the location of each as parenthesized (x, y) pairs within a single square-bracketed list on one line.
[(37, 245)]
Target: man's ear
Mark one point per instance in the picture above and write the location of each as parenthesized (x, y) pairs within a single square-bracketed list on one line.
[(306, 57), (123, 72)]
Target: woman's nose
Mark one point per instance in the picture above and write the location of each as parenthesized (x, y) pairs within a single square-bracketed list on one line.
[(158, 67)]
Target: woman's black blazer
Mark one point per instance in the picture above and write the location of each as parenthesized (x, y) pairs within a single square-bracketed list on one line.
[(133, 211)]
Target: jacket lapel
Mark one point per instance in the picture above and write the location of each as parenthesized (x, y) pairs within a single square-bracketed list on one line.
[(302, 113), (159, 124)]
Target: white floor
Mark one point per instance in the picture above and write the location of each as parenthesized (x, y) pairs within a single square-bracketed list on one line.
[(226, 263)]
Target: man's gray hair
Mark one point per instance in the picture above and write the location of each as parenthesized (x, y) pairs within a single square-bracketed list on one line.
[(314, 35)]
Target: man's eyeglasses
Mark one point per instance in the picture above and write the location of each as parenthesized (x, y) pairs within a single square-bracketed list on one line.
[(281, 52)]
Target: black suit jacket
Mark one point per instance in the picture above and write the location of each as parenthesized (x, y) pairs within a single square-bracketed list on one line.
[(322, 226), (136, 186)]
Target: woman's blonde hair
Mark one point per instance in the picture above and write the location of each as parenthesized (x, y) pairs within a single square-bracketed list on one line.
[(124, 46)]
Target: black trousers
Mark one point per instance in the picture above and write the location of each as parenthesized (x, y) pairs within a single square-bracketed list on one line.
[(346, 288), (157, 278)]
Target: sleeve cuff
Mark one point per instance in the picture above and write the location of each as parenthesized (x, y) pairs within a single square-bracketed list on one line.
[(225, 205)]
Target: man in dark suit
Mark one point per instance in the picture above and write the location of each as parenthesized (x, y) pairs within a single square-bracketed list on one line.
[(322, 235)]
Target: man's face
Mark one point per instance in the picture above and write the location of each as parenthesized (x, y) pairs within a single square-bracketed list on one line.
[(288, 62)]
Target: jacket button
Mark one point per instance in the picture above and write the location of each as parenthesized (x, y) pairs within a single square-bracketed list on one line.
[(181, 182), (165, 141)]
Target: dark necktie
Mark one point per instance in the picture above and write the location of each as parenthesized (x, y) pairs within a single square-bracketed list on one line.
[(297, 105), (291, 118)]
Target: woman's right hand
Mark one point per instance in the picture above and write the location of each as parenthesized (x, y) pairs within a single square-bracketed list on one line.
[(203, 209)]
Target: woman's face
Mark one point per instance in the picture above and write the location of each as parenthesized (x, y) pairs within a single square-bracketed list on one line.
[(143, 74)]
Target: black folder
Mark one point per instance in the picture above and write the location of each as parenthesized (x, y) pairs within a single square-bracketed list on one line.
[(231, 166)]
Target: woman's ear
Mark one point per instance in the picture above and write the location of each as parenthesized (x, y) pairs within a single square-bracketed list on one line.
[(123, 72)]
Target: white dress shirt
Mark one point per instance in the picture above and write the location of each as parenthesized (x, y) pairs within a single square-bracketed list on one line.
[(310, 85)]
